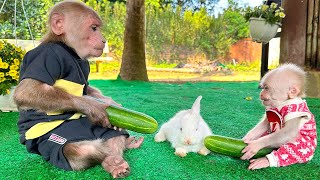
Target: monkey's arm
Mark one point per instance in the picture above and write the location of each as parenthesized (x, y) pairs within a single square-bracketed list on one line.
[(276, 139), (94, 92), (288, 133), (33, 94), (256, 132), (97, 94)]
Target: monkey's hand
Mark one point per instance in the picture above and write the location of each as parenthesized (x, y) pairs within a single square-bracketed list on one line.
[(96, 112), (251, 149), (107, 101), (259, 163)]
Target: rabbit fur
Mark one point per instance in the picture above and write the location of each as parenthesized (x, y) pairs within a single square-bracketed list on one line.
[(186, 131)]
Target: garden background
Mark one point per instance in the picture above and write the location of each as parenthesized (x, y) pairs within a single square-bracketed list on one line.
[(168, 23), (225, 105)]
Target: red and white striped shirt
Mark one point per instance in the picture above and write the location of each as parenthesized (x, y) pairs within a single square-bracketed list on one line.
[(303, 148)]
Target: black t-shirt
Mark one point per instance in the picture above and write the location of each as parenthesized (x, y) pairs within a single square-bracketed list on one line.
[(48, 63)]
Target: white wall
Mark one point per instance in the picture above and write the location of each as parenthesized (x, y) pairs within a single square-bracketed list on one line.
[(274, 51)]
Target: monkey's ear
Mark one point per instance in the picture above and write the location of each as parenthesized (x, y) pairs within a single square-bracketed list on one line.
[(293, 91), (57, 24)]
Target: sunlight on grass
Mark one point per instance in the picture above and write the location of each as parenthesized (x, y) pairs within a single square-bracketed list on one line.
[(110, 71)]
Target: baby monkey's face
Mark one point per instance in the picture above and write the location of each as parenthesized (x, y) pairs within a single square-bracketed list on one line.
[(273, 92), (281, 84)]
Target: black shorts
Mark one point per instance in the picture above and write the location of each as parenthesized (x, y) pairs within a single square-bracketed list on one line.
[(50, 145)]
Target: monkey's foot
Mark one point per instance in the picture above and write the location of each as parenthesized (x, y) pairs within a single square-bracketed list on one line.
[(116, 166), (132, 142)]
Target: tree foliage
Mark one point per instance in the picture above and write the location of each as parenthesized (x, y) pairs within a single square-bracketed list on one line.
[(193, 5), (176, 34), (176, 30), (35, 13)]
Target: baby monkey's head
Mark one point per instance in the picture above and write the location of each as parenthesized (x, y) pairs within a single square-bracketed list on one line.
[(283, 83)]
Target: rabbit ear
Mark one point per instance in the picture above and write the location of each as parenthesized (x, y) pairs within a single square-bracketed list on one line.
[(196, 105)]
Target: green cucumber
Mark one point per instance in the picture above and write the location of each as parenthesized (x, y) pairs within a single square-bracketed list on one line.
[(131, 120), (230, 146)]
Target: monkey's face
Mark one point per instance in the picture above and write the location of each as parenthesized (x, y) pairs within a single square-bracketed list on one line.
[(274, 92), (86, 38)]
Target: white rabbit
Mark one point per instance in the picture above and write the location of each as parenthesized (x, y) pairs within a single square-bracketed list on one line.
[(186, 131)]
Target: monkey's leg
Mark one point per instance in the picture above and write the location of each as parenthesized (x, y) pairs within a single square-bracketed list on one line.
[(116, 166), (84, 154), (114, 163)]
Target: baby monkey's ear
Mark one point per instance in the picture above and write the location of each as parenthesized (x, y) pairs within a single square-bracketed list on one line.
[(293, 91)]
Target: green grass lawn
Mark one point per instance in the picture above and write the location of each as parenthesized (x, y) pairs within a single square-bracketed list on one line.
[(223, 107)]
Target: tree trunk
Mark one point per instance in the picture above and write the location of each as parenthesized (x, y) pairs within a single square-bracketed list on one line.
[(309, 32), (293, 32), (315, 34), (316, 61), (133, 66), (300, 40)]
